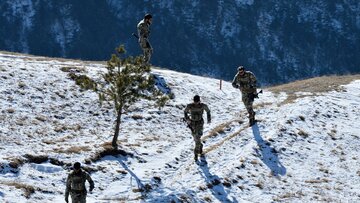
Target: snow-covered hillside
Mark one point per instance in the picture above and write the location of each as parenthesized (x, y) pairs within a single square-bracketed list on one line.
[(301, 151)]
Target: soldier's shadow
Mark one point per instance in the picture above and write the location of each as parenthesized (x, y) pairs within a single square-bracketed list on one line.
[(268, 154), (214, 184)]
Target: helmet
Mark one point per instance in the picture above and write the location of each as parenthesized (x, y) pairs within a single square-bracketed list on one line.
[(241, 68), (196, 98), (147, 16), (77, 165)]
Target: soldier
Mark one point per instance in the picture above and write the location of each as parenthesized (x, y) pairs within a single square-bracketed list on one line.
[(75, 185), (196, 122), (143, 29), (246, 81)]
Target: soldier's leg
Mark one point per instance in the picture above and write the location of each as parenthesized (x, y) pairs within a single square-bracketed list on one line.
[(248, 102), (147, 55), (76, 198), (83, 198), (198, 131), (197, 146)]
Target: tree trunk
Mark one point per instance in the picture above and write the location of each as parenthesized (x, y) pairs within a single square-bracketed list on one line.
[(117, 129)]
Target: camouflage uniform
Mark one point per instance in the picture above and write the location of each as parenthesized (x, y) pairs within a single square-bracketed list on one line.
[(143, 33), (75, 185), (247, 85), (196, 123)]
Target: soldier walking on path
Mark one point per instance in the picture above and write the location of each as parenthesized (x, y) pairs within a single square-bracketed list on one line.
[(196, 122), (75, 185), (246, 82), (143, 29)]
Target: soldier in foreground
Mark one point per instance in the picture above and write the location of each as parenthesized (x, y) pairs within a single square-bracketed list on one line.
[(196, 122), (246, 82), (75, 185), (143, 29)]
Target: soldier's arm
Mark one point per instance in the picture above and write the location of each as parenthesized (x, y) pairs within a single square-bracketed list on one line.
[(234, 82), (91, 182), (68, 187), (253, 81), (208, 114), (186, 112), (143, 31)]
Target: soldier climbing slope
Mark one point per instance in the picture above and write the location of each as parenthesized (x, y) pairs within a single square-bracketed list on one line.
[(196, 122), (246, 82), (75, 185), (143, 29)]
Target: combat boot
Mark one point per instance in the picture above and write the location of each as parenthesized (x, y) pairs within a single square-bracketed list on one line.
[(196, 157), (252, 120)]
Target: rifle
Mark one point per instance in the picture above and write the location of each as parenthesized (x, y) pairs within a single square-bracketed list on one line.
[(135, 35), (257, 94)]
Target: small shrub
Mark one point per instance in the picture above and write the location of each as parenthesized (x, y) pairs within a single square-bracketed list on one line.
[(74, 150), (10, 110), (22, 85), (254, 162), (72, 69), (108, 150), (36, 159), (202, 188), (227, 184), (289, 122), (41, 118), (28, 189), (324, 170), (208, 199), (160, 103), (324, 180), (122, 172), (16, 163), (137, 117), (303, 134), (216, 181), (83, 81), (259, 185)]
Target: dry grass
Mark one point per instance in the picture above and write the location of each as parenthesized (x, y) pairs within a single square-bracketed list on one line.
[(73, 150), (208, 199), (43, 58), (313, 85), (260, 185), (217, 130), (106, 150), (332, 134), (254, 162), (262, 105), (303, 133), (11, 110), (289, 195), (38, 159), (324, 180), (210, 148), (16, 162), (27, 189), (137, 117)]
